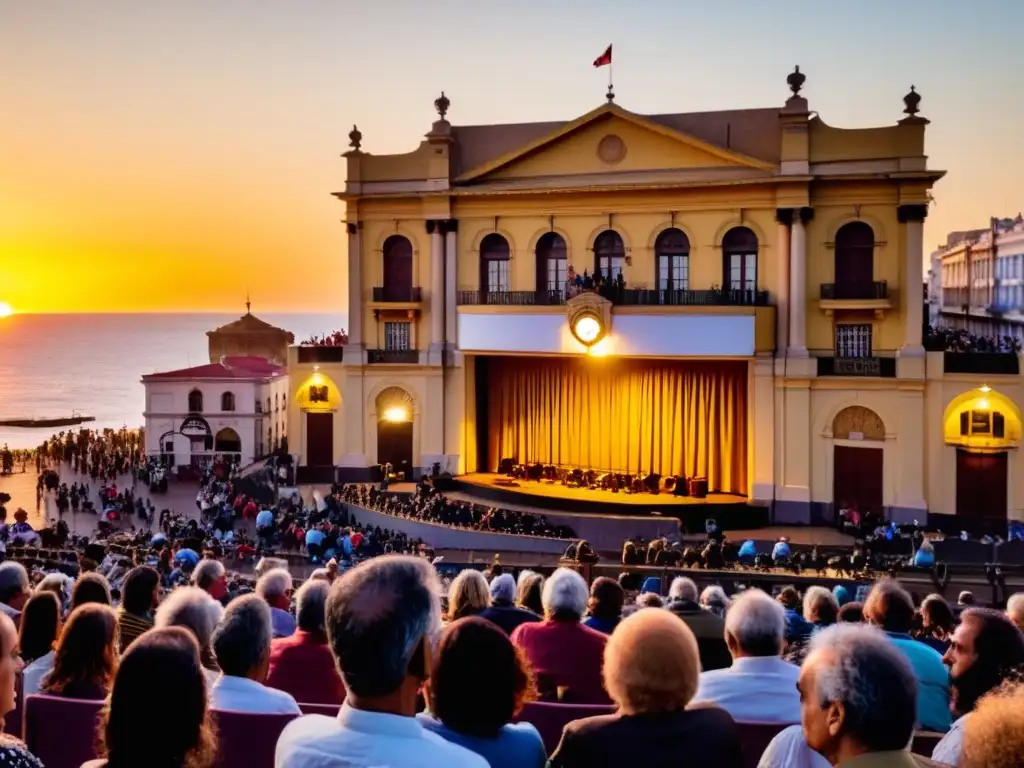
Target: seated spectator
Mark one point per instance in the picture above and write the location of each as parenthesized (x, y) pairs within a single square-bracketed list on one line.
[(196, 611), (141, 596), (890, 608), (564, 655), (1015, 609), (12, 752), (714, 600), (647, 600), (798, 629), (994, 735), (528, 592), (502, 610), (275, 588), (380, 618), (209, 576), (985, 651), (86, 656), (852, 613), (15, 588), (707, 627), (40, 628), (91, 587), (169, 730), (604, 610), (759, 686), (478, 683), (302, 664), (937, 623), (965, 599), (821, 608), (241, 644), (467, 595), (651, 670)]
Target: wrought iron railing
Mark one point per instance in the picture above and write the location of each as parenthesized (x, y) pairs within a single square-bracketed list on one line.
[(624, 297), (397, 295), (877, 289), (884, 367), (406, 356)]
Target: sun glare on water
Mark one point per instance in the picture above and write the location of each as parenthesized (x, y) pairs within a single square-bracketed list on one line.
[(6, 310)]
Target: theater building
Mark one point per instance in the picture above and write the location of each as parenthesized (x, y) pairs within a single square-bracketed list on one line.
[(757, 318)]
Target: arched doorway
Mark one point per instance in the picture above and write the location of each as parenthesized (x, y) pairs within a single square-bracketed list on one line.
[(227, 441), (397, 269), (552, 265), (395, 430), (857, 465), (739, 263), (855, 261)]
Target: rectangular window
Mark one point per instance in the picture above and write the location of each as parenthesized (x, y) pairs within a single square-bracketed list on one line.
[(497, 276), (743, 271), (673, 273), (853, 340), (396, 336), (556, 274)]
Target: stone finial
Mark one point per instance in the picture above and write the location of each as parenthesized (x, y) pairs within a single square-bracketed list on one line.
[(796, 80), (355, 138), (911, 102), (441, 104)]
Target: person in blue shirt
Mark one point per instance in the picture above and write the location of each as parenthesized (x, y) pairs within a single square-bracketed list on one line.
[(781, 551), (477, 685), (748, 549), (925, 555)]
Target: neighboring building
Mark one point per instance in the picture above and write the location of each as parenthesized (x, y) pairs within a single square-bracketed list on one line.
[(982, 288), (762, 325), (248, 336), (236, 406)]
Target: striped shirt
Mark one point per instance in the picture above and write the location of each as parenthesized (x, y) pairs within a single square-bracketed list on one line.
[(131, 626)]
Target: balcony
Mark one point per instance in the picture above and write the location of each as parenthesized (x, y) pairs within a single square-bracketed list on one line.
[(984, 363), (880, 367), (393, 356), (383, 295), (511, 298), (628, 297), (873, 296), (321, 354)]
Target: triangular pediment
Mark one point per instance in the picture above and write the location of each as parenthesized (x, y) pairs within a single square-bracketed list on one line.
[(609, 140)]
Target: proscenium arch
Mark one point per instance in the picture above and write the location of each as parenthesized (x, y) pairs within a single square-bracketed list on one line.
[(996, 401)]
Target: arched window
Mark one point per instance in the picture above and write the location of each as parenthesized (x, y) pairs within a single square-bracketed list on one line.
[(855, 261), (227, 401), (552, 264), (494, 261), (195, 401), (609, 255), (397, 269), (739, 252), (672, 252)]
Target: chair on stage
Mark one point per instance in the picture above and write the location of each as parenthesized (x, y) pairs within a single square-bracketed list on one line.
[(551, 719), (61, 732), (246, 740)]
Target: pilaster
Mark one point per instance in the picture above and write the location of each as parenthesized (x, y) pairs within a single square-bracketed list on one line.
[(912, 218), (798, 283), (450, 228), (355, 285), (784, 218)]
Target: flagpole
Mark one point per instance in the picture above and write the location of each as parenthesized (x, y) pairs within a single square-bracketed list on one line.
[(611, 93)]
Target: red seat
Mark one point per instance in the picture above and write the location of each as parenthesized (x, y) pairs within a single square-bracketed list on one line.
[(61, 732), (755, 738), (246, 740), (550, 719), (14, 722), (331, 710)]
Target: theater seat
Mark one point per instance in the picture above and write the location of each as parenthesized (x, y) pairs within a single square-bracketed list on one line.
[(331, 710), (61, 732), (246, 740), (550, 719), (755, 738), (14, 721), (924, 742)]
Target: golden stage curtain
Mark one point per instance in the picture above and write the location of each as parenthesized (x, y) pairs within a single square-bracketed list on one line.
[(629, 416)]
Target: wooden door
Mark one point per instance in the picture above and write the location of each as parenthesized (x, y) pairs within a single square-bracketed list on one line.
[(854, 260), (857, 478), (394, 446), (981, 485), (319, 439)]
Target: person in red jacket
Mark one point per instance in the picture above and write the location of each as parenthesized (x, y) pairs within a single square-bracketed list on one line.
[(301, 664)]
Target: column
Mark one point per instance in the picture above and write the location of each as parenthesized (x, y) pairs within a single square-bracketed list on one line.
[(436, 282), (912, 217), (784, 217), (355, 285), (451, 277), (798, 284)]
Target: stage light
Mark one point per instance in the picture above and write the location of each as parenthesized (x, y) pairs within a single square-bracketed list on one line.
[(396, 414), (588, 329), (600, 349), (985, 389)]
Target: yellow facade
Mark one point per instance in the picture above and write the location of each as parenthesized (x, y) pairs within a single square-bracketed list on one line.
[(835, 322)]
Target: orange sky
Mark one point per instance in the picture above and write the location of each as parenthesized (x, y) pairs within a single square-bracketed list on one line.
[(171, 154)]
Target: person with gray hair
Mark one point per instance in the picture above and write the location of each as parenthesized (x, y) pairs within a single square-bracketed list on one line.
[(196, 611), (565, 655), (820, 606), (707, 626), (14, 589), (275, 587), (503, 610), (759, 686), (1015, 609), (302, 664), (209, 576), (241, 643), (382, 619)]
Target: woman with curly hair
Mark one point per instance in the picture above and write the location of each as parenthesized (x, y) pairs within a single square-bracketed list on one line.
[(478, 683), (86, 656)]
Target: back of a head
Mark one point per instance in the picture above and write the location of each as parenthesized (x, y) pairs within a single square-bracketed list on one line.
[(790, 598), (13, 580), (468, 594), (651, 663), (890, 607), (91, 587), (242, 639), (157, 711), (852, 613), (193, 609), (40, 625), (1015, 609), (993, 736), (860, 667), (273, 584), (378, 614), (606, 599), (683, 588), (528, 592), (565, 595), (311, 606), (820, 606), (86, 651), (937, 614), (503, 588), (206, 573), (138, 588), (756, 624)]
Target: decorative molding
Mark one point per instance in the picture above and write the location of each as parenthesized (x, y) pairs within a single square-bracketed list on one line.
[(611, 149), (806, 214), (909, 213), (431, 224), (352, 227), (449, 225), (784, 215)]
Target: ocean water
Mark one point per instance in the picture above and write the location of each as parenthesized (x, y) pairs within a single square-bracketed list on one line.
[(53, 365)]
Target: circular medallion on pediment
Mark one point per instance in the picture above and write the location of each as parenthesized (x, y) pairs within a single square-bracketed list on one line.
[(611, 149)]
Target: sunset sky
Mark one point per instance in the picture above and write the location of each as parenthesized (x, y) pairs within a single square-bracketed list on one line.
[(171, 154)]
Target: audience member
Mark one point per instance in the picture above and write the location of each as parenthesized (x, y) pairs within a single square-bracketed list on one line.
[(604, 609), (715, 600), (985, 651), (564, 654), (937, 623), (467, 595), (301, 664), (798, 629), (1015, 609), (381, 616), (994, 735), (707, 627), (502, 610), (275, 588), (86, 655), (479, 681), (196, 611), (40, 627), (210, 576), (241, 644), (821, 608), (890, 608), (651, 670), (141, 595), (965, 599), (852, 613), (528, 592), (13, 753), (91, 587), (759, 686), (14, 589)]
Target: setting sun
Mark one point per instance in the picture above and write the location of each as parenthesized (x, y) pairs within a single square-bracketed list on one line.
[(6, 310)]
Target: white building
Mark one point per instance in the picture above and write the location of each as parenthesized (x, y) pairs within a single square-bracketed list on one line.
[(237, 406)]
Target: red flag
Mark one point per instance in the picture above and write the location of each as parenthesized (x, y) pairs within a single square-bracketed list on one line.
[(604, 59)]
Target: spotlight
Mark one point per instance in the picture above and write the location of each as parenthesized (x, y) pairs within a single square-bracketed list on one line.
[(588, 329), (396, 414)]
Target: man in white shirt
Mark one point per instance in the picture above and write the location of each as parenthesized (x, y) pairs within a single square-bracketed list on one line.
[(381, 620), (242, 645), (275, 587), (759, 686)]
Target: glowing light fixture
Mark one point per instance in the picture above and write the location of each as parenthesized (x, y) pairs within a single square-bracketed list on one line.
[(983, 404), (588, 329), (396, 414), (985, 388), (6, 310)]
